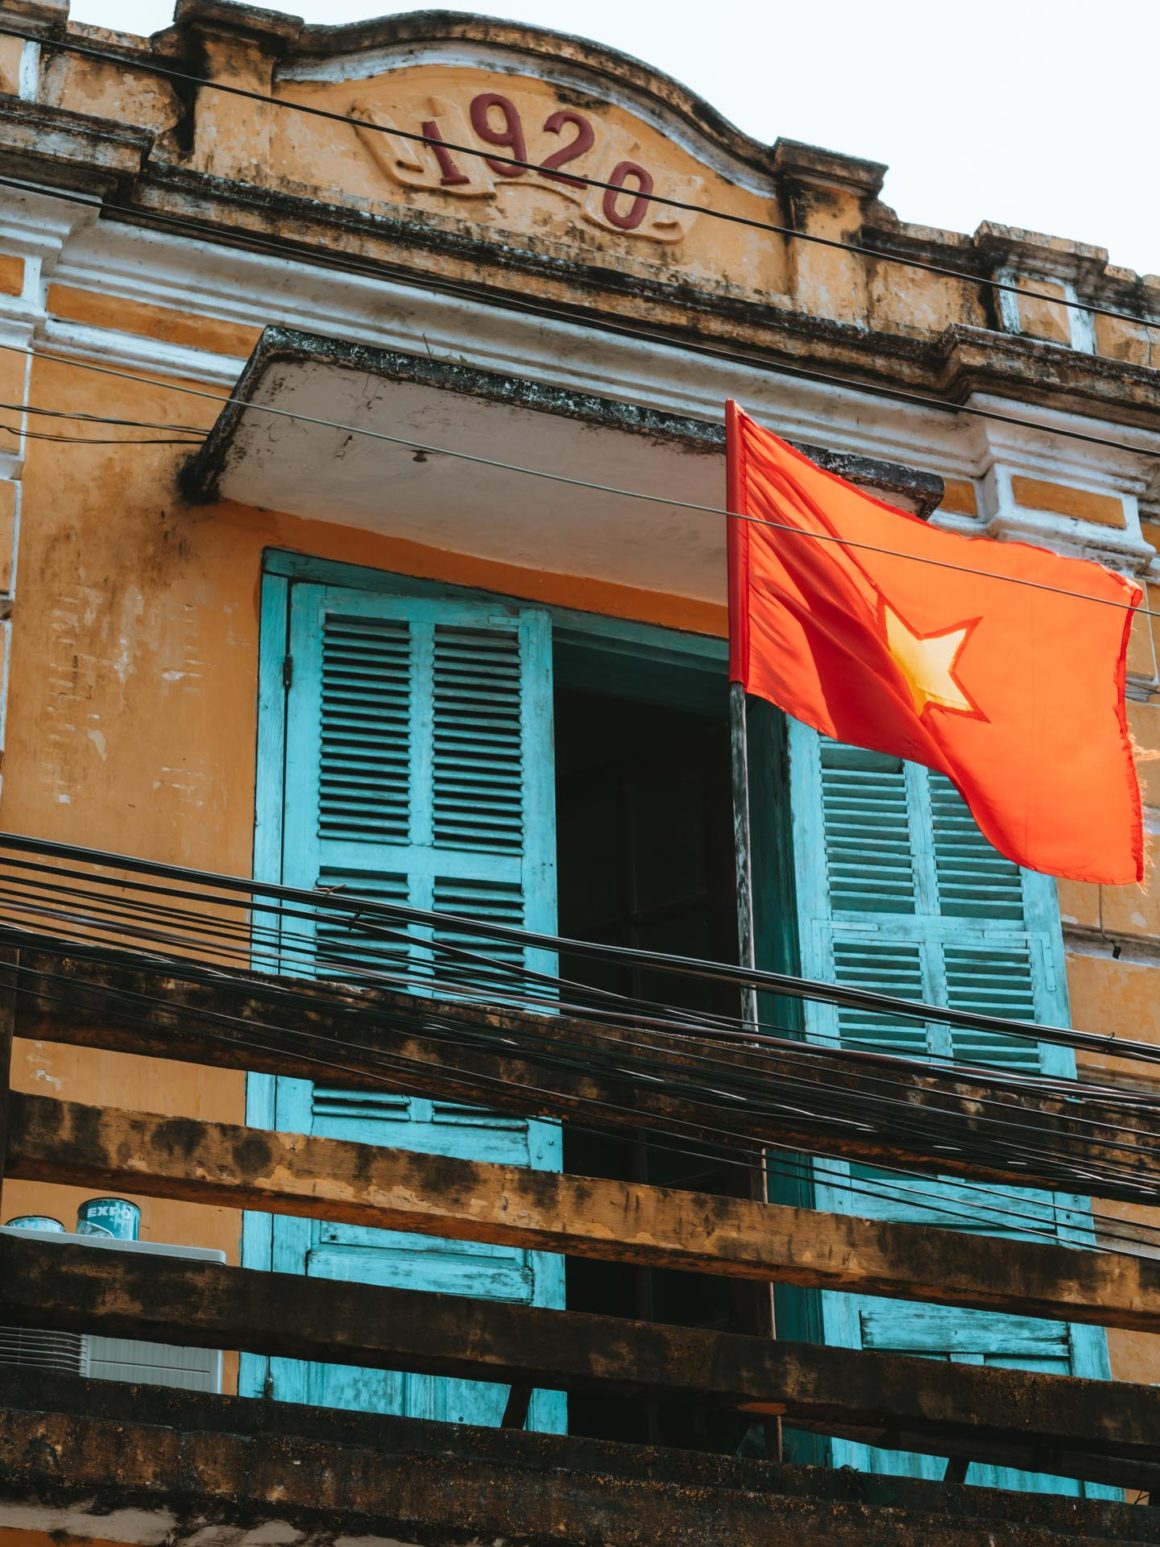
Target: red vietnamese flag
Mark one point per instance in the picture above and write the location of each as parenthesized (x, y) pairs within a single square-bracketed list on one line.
[(880, 630)]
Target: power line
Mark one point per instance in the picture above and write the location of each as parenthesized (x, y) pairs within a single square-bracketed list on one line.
[(73, 413), (413, 445), (247, 242), (657, 1135), (121, 922), (1028, 1223), (259, 892), (94, 440), (711, 1029), (358, 971), (68, 45), (428, 1027)]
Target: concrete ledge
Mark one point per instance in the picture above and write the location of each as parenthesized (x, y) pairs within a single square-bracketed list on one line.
[(147, 1465)]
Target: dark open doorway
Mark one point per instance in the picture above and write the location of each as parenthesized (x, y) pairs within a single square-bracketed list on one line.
[(645, 854)]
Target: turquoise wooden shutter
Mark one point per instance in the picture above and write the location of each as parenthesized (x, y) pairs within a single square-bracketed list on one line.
[(417, 769), (898, 891)]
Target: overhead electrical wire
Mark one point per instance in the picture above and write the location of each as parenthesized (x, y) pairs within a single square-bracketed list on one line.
[(998, 1205), (410, 444), (348, 266), (456, 986), (73, 413), (268, 897), (287, 949), (94, 440), (1002, 1201), (417, 979), (736, 1157), (518, 165), (989, 1199), (253, 945), (764, 981), (621, 1052)]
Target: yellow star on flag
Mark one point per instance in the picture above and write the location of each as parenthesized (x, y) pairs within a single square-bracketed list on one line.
[(927, 662)]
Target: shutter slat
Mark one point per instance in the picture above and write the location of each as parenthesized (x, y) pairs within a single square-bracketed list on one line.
[(343, 940), (867, 831), (364, 793), (974, 880), (356, 1106), (478, 773), (894, 968), (495, 902), (995, 981)]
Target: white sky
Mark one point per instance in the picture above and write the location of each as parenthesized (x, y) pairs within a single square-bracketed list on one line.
[(1034, 113)]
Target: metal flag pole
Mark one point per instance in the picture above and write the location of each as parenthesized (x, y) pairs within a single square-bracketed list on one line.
[(737, 567), (742, 846), (737, 543), (747, 958)]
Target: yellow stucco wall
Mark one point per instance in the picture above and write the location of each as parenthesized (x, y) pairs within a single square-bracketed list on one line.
[(133, 673), (132, 725), (132, 711)]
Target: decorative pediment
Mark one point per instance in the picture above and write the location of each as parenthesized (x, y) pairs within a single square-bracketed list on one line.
[(485, 95)]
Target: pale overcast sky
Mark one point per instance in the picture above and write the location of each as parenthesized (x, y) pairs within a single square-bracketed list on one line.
[(1035, 113)]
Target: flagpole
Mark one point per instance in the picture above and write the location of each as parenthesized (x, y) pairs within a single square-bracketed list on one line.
[(742, 846), (747, 958), (737, 564), (737, 542)]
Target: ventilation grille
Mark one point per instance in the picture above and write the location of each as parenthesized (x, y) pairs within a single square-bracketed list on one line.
[(478, 754), (974, 880), (365, 760), (867, 831), (63, 1351)]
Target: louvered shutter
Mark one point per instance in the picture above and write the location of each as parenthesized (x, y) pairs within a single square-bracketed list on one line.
[(419, 763), (418, 770), (898, 891)]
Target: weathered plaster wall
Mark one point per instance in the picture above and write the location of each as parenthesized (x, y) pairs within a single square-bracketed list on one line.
[(132, 723), (1113, 938), (133, 701), (132, 683)]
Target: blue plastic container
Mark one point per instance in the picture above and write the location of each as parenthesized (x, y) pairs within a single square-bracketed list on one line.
[(114, 1217), (34, 1222)]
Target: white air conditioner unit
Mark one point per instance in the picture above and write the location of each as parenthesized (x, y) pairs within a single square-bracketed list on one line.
[(149, 1364)]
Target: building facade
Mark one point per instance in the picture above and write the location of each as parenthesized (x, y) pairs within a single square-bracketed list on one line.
[(396, 563)]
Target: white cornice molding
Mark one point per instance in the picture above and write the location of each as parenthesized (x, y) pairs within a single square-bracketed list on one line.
[(103, 346), (36, 228), (1045, 451), (244, 287), (250, 289), (1122, 550)]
